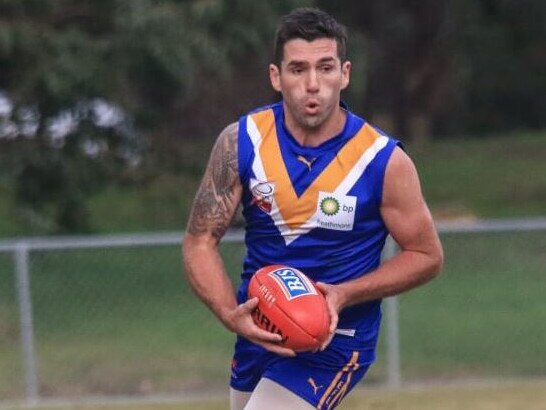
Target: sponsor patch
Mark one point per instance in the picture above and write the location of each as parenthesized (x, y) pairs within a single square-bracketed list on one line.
[(336, 212)]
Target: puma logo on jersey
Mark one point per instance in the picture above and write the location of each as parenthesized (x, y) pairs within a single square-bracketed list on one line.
[(313, 384), (301, 158)]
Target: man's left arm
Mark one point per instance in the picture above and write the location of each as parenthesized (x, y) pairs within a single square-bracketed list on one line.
[(410, 223)]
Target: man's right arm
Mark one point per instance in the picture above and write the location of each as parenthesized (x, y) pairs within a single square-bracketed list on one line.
[(213, 209)]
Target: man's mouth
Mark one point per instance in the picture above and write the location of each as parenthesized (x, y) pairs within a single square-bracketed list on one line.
[(312, 107)]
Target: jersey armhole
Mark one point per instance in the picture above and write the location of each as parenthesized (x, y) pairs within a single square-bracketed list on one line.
[(387, 152)]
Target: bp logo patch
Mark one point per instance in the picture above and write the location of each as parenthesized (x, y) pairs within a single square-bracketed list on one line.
[(329, 206), (335, 211)]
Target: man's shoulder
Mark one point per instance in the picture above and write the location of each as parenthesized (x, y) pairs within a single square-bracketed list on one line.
[(229, 134), (380, 132)]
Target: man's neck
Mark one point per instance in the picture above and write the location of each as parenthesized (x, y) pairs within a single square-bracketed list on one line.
[(313, 137)]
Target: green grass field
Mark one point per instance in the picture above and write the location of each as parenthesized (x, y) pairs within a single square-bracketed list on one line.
[(482, 315), (530, 395)]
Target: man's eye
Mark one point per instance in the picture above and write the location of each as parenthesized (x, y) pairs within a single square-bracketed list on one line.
[(297, 70), (326, 68)]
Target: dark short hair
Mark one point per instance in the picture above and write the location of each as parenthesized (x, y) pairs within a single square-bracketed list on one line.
[(309, 23)]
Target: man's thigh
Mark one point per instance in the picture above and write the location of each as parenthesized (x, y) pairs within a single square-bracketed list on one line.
[(238, 399), (268, 395)]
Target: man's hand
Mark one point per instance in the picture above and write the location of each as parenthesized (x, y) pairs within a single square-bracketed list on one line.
[(240, 321)]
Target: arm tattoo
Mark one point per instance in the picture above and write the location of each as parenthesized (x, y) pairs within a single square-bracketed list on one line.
[(216, 202)]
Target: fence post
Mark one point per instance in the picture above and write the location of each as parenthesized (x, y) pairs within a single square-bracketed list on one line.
[(394, 377), (27, 325)]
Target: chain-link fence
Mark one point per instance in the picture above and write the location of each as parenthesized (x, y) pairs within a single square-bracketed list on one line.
[(114, 315)]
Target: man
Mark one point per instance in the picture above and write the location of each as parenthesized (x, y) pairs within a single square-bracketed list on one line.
[(320, 189)]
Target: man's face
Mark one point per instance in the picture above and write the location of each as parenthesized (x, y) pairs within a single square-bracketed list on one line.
[(310, 79)]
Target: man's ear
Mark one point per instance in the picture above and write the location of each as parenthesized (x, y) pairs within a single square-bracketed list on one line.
[(345, 74), (275, 77)]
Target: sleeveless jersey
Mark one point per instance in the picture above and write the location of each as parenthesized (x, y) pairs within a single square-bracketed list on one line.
[(314, 208)]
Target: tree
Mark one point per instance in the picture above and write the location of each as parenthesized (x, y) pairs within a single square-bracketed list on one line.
[(501, 51), (54, 145), (152, 61), (409, 63), (450, 67)]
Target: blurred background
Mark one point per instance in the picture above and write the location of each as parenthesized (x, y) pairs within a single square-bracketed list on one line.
[(108, 110)]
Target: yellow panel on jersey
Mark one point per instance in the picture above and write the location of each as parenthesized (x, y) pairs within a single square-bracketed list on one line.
[(296, 211)]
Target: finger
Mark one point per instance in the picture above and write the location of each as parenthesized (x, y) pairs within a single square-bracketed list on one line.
[(266, 337), (332, 312), (323, 287), (250, 304), (327, 342), (332, 329), (333, 321)]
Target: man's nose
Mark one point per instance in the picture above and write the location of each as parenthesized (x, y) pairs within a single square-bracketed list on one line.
[(312, 81)]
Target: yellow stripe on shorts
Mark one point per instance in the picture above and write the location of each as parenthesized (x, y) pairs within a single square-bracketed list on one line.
[(335, 391)]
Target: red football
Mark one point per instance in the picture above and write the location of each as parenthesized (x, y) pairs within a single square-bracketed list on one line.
[(290, 305)]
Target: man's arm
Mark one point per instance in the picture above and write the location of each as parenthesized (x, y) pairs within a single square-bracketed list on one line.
[(213, 209), (410, 223)]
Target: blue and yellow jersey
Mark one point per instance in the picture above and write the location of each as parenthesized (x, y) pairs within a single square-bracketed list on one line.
[(314, 208)]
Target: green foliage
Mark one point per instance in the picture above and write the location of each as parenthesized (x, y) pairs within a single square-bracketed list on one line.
[(440, 67), (53, 172), (501, 63), (149, 59), (55, 68)]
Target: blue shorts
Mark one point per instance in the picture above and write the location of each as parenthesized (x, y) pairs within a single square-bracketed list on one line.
[(322, 379)]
